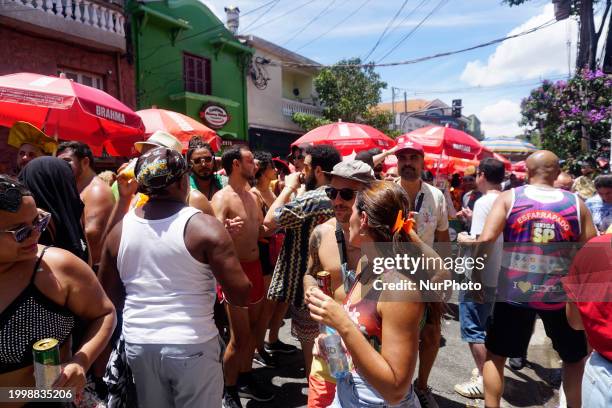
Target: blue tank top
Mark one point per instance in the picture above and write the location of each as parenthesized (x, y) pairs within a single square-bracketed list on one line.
[(536, 254)]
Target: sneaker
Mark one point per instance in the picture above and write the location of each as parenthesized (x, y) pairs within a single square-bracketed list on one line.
[(252, 389), (425, 397), (264, 359), (517, 363), (279, 347), (471, 389), (231, 400)]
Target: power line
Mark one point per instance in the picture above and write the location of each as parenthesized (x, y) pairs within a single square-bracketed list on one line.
[(218, 27), (336, 26), (300, 31), (273, 19), (259, 8), (382, 35), (421, 59), (406, 62), (436, 8), (507, 85), (414, 10), (272, 4)]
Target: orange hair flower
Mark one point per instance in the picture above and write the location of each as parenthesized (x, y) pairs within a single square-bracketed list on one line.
[(402, 223)]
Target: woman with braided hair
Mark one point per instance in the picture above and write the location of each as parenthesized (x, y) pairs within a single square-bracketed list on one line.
[(379, 327)]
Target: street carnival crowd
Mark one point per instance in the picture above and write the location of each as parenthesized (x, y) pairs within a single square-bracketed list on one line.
[(166, 281)]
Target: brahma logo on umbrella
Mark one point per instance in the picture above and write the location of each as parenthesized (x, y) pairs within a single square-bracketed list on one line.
[(215, 116), (106, 113), (462, 148)]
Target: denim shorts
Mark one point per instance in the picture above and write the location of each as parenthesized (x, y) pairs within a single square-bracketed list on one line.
[(353, 391), (474, 318), (596, 382)]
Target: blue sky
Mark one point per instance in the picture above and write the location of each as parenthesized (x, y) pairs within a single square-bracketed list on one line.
[(491, 81)]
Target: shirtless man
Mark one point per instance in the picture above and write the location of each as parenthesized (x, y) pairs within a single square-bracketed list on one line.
[(95, 194), (235, 200), (324, 255)]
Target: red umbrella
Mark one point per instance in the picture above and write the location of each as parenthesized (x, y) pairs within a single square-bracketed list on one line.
[(502, 158), (70, 111), (447, 164), (178, 125), (519, 166), (485, 152), (347, 137), (446, 141)]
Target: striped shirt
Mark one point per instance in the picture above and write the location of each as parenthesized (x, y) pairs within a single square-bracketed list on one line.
[(298, 218)]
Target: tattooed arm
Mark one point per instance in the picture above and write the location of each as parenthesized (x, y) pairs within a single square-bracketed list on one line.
[(314, 263)]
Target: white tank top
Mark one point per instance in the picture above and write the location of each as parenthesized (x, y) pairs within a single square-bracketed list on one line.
[(169, 295)]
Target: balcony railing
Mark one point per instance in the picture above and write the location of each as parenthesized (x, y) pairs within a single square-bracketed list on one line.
[(290, 107), (99, 21)]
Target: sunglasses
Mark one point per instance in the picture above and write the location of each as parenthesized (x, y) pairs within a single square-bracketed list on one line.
[(345, 193), (23, 233), (199, 160)]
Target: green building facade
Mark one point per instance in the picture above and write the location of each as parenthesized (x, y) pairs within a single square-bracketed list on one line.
[(187, 61)]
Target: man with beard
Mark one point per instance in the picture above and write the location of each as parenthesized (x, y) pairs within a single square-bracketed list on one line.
[(431, 225), (95, 193), (329, 252), (202, 160), (298, 218), (203, 177), (235, 200)]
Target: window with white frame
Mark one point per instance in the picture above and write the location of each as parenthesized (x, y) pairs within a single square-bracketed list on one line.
[(83, 77)]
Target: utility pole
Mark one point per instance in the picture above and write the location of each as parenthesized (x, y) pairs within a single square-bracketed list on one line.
[(405, 103), (393, 105)]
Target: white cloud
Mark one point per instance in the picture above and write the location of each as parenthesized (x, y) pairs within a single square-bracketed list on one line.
[(534, 55), (500, 119), (219, 13)]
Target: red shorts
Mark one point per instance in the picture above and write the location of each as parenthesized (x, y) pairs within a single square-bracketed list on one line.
[(253, 271), (321, 393)]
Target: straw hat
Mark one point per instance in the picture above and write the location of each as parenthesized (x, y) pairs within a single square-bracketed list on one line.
[(160, 138), (25, 133), (584, 187)]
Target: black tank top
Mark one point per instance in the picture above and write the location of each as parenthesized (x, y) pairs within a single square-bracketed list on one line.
[(30, 317)]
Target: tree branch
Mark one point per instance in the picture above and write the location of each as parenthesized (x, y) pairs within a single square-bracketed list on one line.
[(603, 21)]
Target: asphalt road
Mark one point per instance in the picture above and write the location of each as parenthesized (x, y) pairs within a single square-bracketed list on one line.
[(534, 386)]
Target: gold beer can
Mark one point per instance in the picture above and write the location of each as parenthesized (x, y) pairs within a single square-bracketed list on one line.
[(47, 365)]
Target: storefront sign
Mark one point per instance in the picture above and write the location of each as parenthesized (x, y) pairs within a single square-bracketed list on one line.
[(214, 115)]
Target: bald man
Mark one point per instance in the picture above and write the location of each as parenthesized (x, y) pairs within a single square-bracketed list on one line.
[(529, 283), (564, 181)]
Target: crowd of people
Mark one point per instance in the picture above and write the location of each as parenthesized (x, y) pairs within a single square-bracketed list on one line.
[(166, 281)]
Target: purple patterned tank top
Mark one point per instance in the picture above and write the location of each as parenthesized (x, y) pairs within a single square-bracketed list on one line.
[(535, 255)]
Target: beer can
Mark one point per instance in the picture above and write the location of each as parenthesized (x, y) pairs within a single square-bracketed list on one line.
[(324, 282), (47, 365)]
